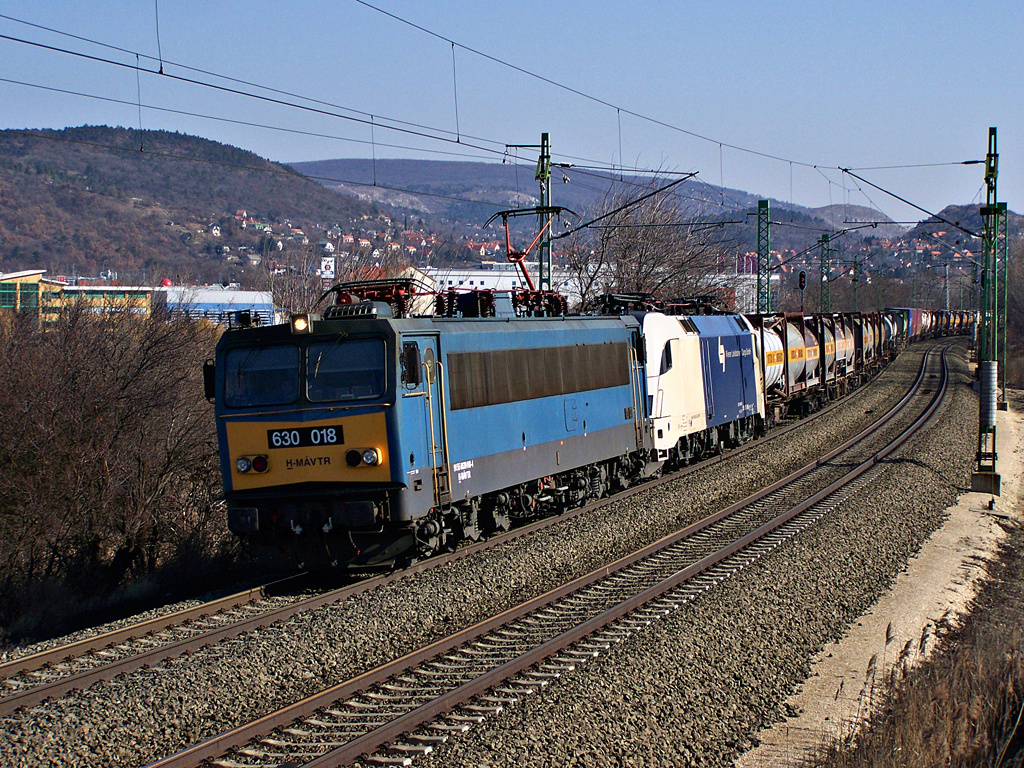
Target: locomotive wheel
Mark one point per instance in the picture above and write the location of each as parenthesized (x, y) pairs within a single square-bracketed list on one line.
[(469, 518)]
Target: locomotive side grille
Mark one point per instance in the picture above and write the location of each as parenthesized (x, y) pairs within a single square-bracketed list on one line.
[(338, 311), (510, 375)]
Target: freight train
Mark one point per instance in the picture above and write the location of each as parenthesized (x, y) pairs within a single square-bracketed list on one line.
[(368, 435)]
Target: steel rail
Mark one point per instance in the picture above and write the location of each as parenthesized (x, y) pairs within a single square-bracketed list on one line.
[(241, 735), (38, 661), (361, 746)]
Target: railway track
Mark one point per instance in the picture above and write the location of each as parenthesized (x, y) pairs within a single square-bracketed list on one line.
[(29, 680), (406, 707)]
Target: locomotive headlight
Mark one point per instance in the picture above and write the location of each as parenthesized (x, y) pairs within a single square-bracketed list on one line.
[(243, 464), (300, 324), (371, 457)]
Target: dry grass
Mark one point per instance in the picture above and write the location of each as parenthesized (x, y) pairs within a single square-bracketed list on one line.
[(964, 706), (1015, 365)]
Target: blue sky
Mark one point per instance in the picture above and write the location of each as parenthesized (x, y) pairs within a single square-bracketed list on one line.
[(826, 84)]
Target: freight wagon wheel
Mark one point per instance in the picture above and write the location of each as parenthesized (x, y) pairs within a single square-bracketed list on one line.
[(719, 447)]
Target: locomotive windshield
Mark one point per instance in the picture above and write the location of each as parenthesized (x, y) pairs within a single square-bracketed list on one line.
[(350, 370), (261, 376), (334, 370)]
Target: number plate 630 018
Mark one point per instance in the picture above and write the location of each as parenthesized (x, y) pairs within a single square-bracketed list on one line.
[(304, 437)]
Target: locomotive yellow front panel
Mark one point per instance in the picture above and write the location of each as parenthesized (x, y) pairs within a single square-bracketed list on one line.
[(329, 450)]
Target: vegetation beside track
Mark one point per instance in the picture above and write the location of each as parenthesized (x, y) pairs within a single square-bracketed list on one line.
[(964, 706), (109, 466)]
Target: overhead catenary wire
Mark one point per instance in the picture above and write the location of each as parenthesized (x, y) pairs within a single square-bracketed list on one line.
[(426, 132), (583, 94), (235, 121), (912, 205), (268, 99), (138, 85), (917, 165), (835, 235), (689, 176), (621, 208), (692, 224), (457, 136), (229, 78), (455, 90), (159, 49)]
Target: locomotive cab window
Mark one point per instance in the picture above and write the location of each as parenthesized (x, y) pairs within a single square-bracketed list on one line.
[(261, 376), (349, 370), (666, 358)]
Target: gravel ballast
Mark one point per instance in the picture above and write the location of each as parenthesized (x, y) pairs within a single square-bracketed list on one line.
[(695, 688), (150, 713)]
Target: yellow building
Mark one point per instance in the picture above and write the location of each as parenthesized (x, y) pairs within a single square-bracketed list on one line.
[(135, 299), (22, 291), (28, 291)]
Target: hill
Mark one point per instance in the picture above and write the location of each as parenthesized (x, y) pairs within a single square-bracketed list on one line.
[(966, 216), (98, 198), (847, 216), (466, 194), (481, 189)]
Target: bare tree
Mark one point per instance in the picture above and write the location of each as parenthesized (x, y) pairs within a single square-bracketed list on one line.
[(293, 279), (653, 245)]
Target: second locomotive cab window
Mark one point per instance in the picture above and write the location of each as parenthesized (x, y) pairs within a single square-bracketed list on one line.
[(345, 370), (261, 376)]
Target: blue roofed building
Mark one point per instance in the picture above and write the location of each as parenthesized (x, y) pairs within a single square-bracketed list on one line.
[(215, 303)]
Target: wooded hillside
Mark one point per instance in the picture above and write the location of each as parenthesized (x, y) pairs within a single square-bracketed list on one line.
[(97, 198)]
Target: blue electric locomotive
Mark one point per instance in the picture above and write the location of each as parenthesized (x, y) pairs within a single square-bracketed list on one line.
[(358, 437)]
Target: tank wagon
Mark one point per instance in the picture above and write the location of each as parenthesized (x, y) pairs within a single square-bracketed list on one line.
[(369, 435)]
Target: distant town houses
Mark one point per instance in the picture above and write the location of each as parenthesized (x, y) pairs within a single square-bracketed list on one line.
[(256, 242)]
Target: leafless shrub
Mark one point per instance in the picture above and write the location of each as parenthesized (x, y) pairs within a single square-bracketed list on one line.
[(107, 451)]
